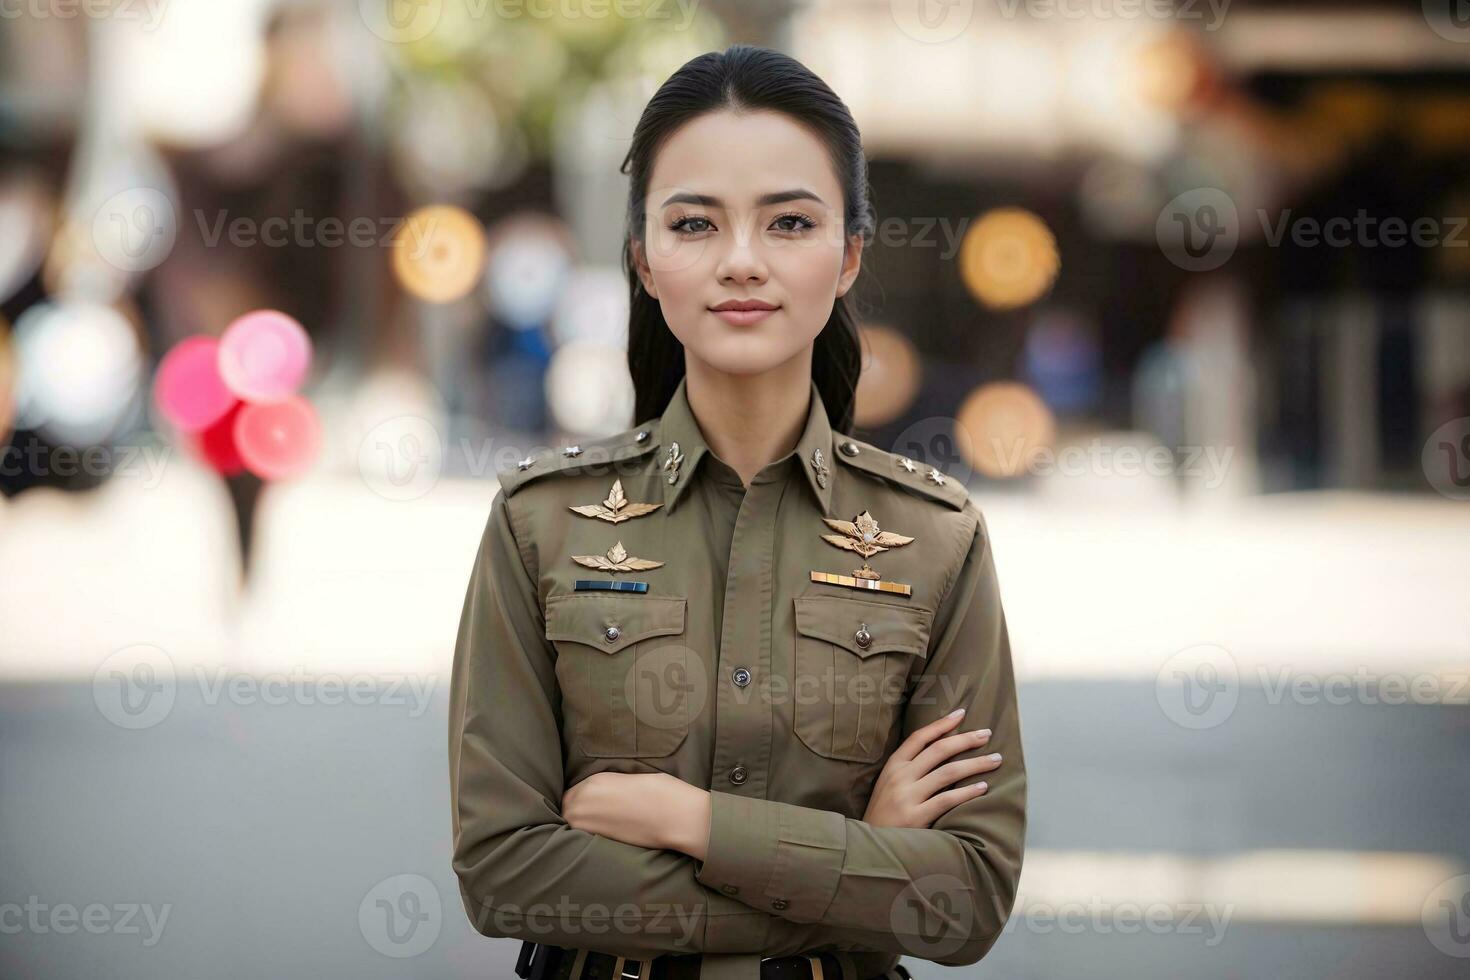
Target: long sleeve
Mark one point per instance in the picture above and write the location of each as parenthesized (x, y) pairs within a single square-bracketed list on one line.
[(523, 871), (941, 893)]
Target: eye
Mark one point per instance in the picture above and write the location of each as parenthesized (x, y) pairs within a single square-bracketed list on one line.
[(682, 224), (802, 222)]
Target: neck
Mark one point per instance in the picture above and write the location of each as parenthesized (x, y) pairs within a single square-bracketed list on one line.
[(748, 420)]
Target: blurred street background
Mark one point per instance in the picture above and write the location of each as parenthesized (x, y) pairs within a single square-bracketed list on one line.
[(1179, 288)]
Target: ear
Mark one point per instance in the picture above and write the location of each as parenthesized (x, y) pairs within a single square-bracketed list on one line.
[(640, 265), (852, 263)]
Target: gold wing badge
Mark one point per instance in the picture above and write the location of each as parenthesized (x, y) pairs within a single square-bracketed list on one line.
[(616, 508), (863, 535), (617, 559)]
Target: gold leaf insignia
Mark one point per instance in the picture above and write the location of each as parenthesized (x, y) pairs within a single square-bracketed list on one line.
[(616, 508), (672, 461), (617, 559)]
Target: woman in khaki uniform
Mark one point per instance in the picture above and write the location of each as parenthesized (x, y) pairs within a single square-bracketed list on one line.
[(732, 694)]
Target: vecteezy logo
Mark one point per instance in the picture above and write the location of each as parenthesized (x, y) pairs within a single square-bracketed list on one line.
[(135, 686), (937, 442), (1198, 687), (134, 230), (401, 916), (1199, 229), (401, 21), (1446, 917), (401, 458), (1446, 459), (932, 21), (666, 686), (932, 916), (1450, 19)]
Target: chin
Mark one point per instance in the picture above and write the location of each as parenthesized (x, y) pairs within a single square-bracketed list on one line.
[(744, 354)]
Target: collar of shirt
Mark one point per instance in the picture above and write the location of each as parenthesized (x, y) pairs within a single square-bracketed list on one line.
[(678, 427)]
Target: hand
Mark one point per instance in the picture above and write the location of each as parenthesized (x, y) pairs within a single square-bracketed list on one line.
[(654, 810), (908, 794)]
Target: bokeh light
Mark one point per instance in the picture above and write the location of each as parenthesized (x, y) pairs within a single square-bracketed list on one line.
[(890, 378), (589, 389), (278, 440), (439, 253), (592, 307), (26, 217), (264, 356), (188, 388), (79, 367), (217, 445), (1008, 425), (1009, 258), (7, 381), (529, 259)]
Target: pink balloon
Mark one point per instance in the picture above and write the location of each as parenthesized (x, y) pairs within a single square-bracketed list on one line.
[(278, 440), (264, 356), (188, 389)]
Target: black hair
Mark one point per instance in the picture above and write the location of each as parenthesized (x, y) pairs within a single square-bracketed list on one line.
[(744, 78)]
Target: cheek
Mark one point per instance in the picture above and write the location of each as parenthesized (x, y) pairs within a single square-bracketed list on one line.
[(681, 273), (810, 272)]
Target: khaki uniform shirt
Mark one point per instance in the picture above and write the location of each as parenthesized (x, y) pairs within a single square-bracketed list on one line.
[(739, 673)]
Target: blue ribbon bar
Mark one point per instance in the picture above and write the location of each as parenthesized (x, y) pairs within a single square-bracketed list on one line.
[(603, 585)]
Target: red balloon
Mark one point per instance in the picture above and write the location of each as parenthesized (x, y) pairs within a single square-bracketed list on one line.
[(217, 444), (278, 440)]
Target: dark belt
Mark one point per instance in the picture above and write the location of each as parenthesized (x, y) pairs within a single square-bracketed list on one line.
[(538, 961)]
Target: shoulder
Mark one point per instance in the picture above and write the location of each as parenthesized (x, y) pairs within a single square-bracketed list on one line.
[(595, 455), (918, 479)]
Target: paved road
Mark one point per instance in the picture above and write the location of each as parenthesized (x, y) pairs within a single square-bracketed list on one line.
[(262, 831)]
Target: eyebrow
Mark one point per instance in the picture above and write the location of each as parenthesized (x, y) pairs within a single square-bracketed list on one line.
[(775, 197)]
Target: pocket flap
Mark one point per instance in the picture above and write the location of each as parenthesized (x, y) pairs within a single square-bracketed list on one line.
[(890, 628), (611, 622)]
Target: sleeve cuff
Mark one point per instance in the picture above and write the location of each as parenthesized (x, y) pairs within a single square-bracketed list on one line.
[(779, 857)]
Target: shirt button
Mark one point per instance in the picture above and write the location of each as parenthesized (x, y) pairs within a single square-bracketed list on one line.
[(779, 903), (737, 775), (741, 676), (863, 637), (611, 634)]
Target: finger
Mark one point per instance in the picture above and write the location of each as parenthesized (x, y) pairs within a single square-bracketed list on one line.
[(952, 745), (954, 772), (914, 744), (948, 800)]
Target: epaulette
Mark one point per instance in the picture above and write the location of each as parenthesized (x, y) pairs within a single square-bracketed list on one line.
[(916, 477), (610, 449)]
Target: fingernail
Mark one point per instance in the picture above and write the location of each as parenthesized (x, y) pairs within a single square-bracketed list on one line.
[(956, 713), (982, 731), (981, 787), (995, 756)]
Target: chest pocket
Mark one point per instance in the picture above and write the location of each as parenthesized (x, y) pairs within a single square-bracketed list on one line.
[(626, 692), (852, 662)]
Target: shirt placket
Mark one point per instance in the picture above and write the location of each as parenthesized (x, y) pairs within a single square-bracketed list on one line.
[(743, 718)]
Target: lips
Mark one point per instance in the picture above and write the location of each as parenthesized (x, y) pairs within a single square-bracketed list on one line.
[(743, 305), (744, 313)]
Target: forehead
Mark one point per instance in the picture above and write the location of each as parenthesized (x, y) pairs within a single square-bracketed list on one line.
[(739, 156)]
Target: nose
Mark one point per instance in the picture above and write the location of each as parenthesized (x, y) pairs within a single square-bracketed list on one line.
[(742, 263)]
